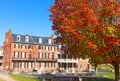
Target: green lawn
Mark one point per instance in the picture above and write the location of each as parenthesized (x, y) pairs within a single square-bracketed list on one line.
[(110, 75), (21, 78)]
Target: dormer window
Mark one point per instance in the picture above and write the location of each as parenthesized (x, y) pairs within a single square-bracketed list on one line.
[(18, 38), (40, 40), (49, 41), (27, 39)]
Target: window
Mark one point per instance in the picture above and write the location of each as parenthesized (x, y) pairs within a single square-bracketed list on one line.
[(40, 40), (84, 65), (49, 41), (23, 46), (53, 64), (18, 38), (16, 46), (60, 65), (46, 55), (29, 55), (70, 65), (46, 47), (27, 39), (46, 64), (59, 47), (80, 65), (23, 65), (52, 55), (40, 55), (69, 57), (15, 64), (30, 47), (16, 54), (23, 54), (59, 56), (49, 48), (40, 64), (74, 64), (53, 48), (40, 47), (29, 65)]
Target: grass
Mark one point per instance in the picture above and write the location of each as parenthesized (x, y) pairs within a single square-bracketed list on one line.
[(110, 75), (1, 79), (106, 68), (22, 78)]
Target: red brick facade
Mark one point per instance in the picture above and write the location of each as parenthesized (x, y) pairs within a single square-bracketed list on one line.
[(26, 56)]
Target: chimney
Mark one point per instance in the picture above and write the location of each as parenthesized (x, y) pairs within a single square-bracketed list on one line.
[(10, 30)]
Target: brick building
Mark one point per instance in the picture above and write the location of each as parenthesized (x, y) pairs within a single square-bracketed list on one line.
[(68, 64), (25, 53), (1, 57)]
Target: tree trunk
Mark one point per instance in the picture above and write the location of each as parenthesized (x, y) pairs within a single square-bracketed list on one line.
[(95, 70), (116, 68)]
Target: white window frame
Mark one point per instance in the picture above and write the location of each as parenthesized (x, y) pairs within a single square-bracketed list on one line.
[(22, 65), (27, 39), (16, 64), (23, 46), (29, 65), (16, 54), (40, 55), (46, 64), (16, 46), (47, 47), (40, 40), (53, 64), (46, 55), (23, 54), (53, 48), (18, 38), (49, 41), (59, 47), (81, 66)]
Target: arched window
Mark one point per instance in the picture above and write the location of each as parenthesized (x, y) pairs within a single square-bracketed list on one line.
[(18, 38), (40, 40), (27, 39)]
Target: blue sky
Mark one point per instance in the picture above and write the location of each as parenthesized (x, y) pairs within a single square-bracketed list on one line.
[(25, 17)]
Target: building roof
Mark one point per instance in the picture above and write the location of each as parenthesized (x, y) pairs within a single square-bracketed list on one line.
[(32, 39)]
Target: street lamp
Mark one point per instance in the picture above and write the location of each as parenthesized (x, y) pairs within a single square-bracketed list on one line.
[(34, 52)]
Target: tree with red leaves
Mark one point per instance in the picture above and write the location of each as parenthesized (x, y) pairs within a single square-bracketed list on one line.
[(89, 28)]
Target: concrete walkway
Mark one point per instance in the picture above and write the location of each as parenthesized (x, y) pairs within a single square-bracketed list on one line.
[(5, 77)]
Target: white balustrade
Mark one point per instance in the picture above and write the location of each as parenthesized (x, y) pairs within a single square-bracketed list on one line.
[(68, 60)]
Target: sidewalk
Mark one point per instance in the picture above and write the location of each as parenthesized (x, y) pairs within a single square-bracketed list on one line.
[(5, 77)]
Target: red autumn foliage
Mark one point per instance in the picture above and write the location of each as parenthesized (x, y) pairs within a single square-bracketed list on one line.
[(94, 23)]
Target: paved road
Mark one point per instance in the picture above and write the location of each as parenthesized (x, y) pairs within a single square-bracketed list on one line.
[(5, 77)]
